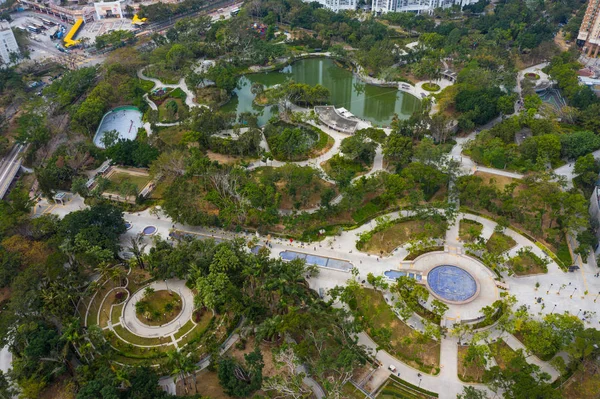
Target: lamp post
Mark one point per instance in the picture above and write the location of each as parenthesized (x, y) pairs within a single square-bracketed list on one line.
[(578, 313), (165, 280), (560, 288), (553, 308), (596, 297), (573, 292), (549, 288)]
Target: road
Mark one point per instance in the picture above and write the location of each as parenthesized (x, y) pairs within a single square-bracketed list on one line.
[(9, 166)]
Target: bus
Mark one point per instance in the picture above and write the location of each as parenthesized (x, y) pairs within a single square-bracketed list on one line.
[(235, 12), (39, 26), (33, 29), (47, 22)]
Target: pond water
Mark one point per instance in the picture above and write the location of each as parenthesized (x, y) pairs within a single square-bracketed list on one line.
[(373, 103)]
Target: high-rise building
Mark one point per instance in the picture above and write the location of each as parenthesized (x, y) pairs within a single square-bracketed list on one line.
[(337, 5), (589, 32), (418, 6), (8, 43)]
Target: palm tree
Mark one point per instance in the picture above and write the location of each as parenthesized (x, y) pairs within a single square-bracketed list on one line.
[(181, 366), (117, 274), (103, 269), (137, 247)]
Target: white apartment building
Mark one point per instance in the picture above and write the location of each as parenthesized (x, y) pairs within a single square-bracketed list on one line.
[(8, 43), (589, 32), (336, 5), (418, 6)]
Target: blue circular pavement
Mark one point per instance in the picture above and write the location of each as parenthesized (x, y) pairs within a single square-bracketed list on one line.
[(451, 283)]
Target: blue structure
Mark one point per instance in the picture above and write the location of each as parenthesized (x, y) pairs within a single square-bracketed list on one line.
[(451, 283), (320, 261), (396, 274)]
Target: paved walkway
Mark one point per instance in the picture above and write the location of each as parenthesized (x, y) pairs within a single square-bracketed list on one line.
[(130, 320)]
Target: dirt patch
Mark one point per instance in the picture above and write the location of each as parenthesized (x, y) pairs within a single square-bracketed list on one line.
[(266, 350), (585, 383), (399, 233), (206, 384), (61, 389), (498, 181), (471, 372), (227, 159), (313, 201)]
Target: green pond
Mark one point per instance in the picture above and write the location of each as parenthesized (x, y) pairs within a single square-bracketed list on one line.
[(373, 103)]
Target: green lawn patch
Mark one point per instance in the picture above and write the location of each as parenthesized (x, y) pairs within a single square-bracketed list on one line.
[(499, 243), (137, 340), (116, 179), (398, 233), (391, 333), (469, 230), (429, 86), (116, 313), (202, 324), (349, 391), (158, 308), (396, 387), (527, 263), (184, 329), (146, 85)]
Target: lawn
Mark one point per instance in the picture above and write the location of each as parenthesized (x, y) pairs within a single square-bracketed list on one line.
[(349, 391), (184, 329), (110, 300), (119, 177), (527, 263), (137, 340), (399, 339), (158, 308), (117, 311), (470, 373), (201, 325), (469, 230), (499, 243), (396, 388), (94, 308), (428, 86), (172, 135), (399, 233)]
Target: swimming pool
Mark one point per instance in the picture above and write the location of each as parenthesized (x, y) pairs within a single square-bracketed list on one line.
[(451, 283)]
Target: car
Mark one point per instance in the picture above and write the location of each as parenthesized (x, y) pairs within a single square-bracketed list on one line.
[(392, 368)]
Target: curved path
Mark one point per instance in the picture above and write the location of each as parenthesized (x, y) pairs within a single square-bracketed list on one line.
[(130, 321), (190, 96)]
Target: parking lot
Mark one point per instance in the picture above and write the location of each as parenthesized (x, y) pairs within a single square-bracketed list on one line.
[(40, 46)]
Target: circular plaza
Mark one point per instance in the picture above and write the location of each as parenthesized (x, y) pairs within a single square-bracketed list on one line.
[(463, 283)]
